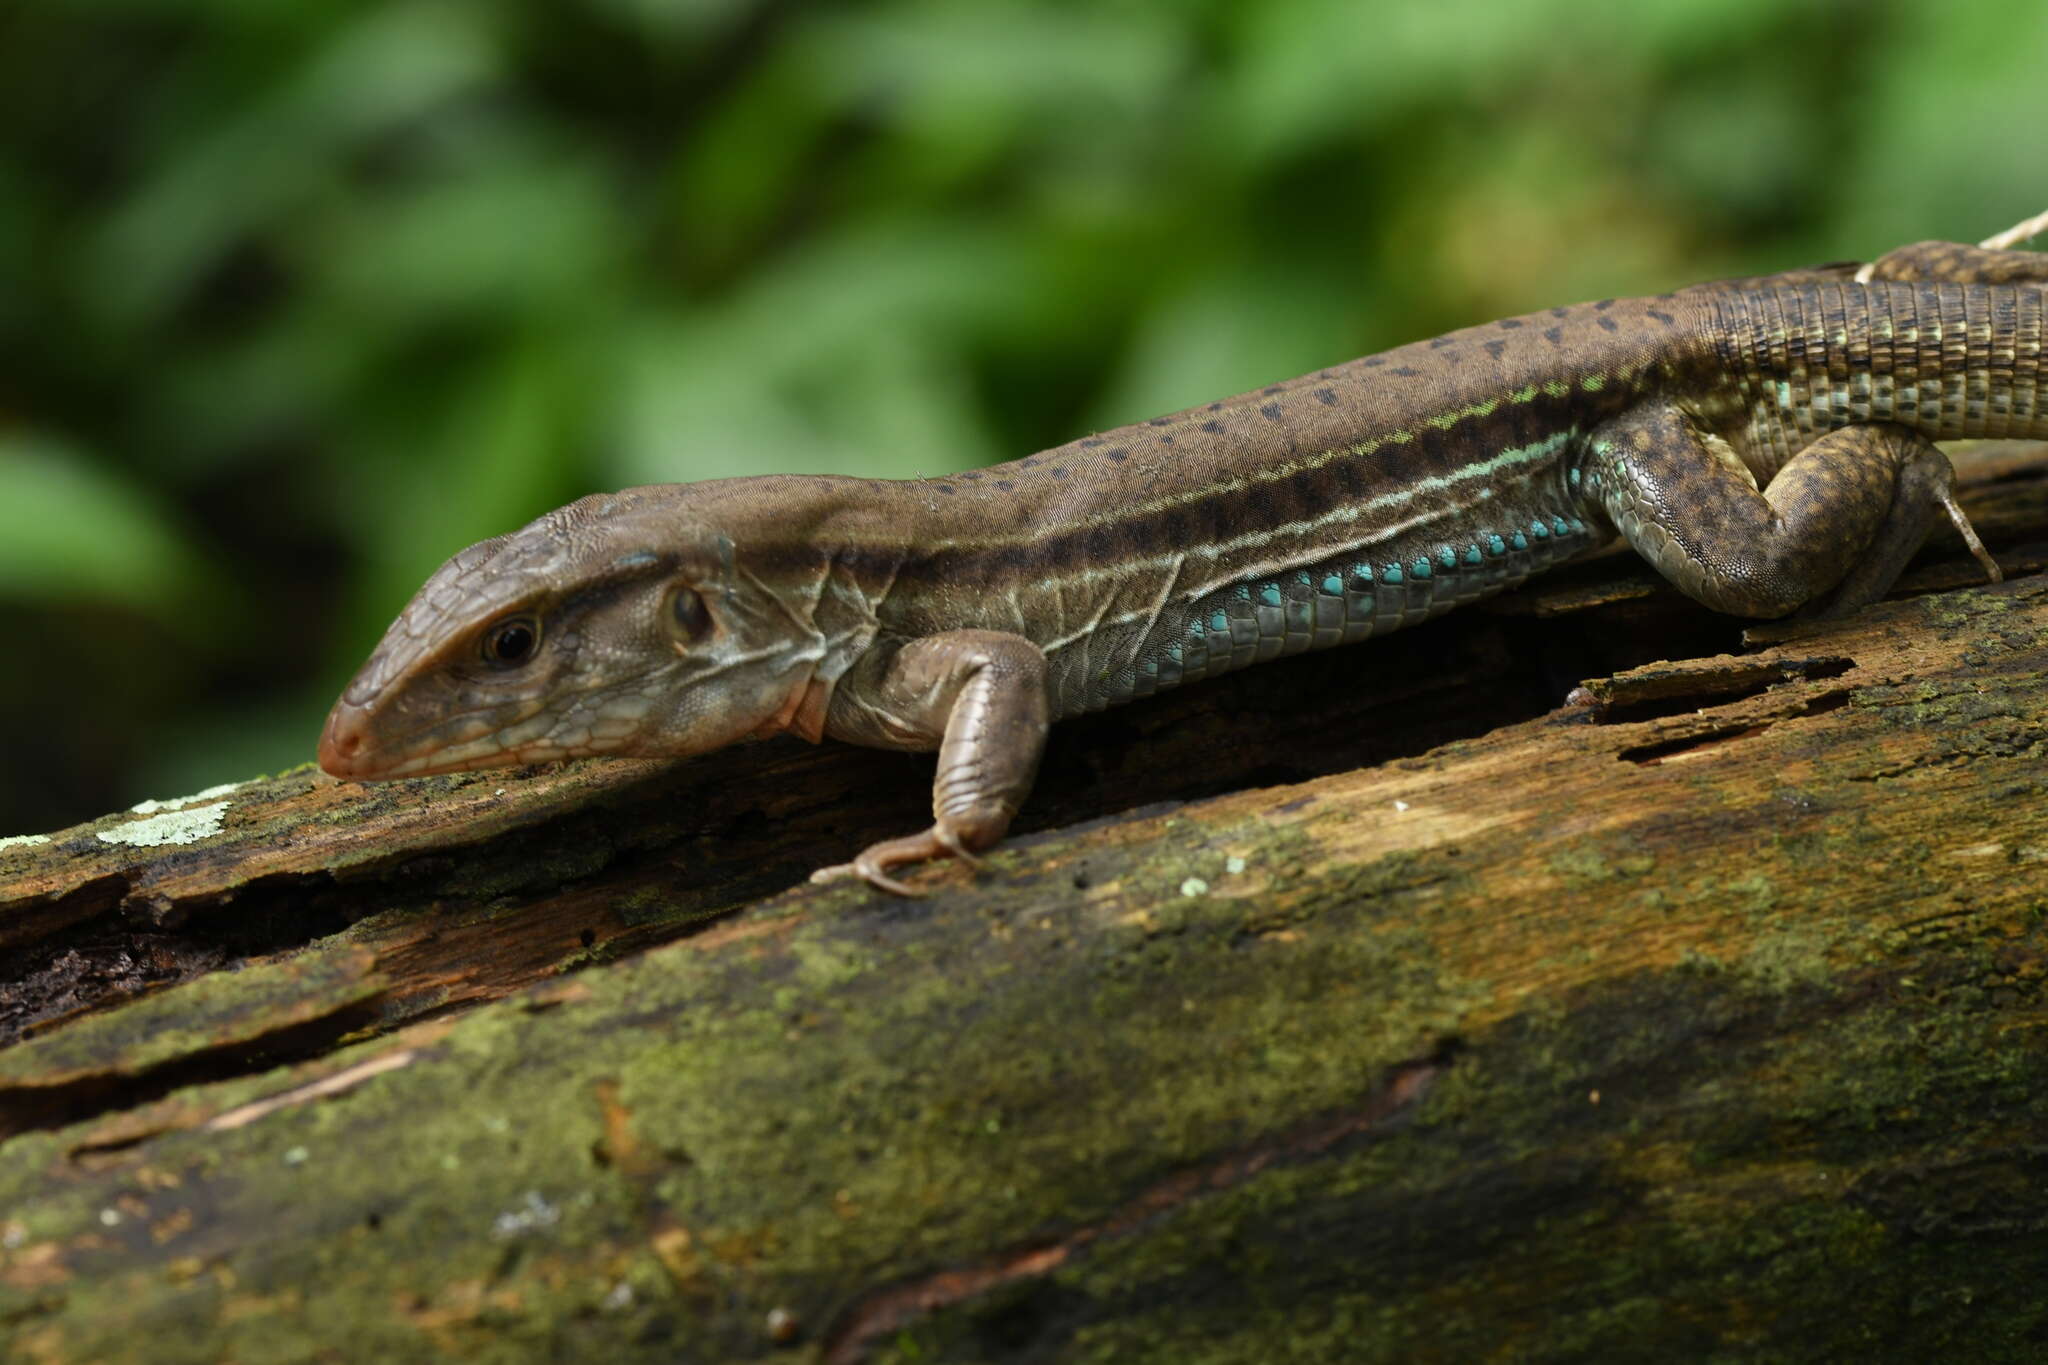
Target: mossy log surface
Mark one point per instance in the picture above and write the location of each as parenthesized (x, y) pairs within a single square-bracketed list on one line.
[(1399, 1003)]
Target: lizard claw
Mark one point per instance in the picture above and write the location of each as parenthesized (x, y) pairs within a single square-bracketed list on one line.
[(875, 862), (869, 871)]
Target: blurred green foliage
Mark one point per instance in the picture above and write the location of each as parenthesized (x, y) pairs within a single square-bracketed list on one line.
[(298, 298)]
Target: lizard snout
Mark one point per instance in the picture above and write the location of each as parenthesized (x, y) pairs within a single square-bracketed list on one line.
[(342, 741)]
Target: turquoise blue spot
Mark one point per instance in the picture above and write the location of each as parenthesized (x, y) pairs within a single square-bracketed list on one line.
[(1244, 592), (1219, 622), (1391, 574), (1361, 577), (1574, 476), (1420, 568), (1333, 585), (1539, 530), (1447, 557), (1496, 546), (1578, 525), (1173, 651), (1519, 542), (1560, 525), (1301, 577), (1472, 553), (1270, 595)]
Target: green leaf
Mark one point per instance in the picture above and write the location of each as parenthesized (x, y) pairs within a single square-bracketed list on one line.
[(278, 153), (72, 531), (526, 232), (1224, 335)]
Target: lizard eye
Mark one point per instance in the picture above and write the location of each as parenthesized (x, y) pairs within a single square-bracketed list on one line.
[(512, 642), (689, 619)]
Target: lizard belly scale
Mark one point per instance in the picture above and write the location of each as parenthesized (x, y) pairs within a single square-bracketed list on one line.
[(1334, 601)]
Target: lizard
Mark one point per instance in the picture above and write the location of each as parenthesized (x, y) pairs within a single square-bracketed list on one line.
[(1765, 443)]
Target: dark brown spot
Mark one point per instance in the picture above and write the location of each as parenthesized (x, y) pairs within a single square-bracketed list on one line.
[(1328, 397), (1161, 422), (1404, 371), (1271, 411), (1603, 304), (1559, 312), (1090, 442), (1509, 324), (1058, 473), (1270, 390), (1495, 347), (1553, 335), (1215, 407), (1349, 477), (1119, 454), (945, 488), (1167, 439), (1005, 485), (1664, 318), (1438, 343), (1212, 426), (1607, 323), (1373, 362)]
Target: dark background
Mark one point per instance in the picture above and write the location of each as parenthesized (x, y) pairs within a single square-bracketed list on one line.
[(297, 298)]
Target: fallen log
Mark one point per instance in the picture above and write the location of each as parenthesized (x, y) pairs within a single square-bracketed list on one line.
[(1407, 1002)]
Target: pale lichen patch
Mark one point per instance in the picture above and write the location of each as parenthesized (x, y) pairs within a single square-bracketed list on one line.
[(23, 841), (181, 802), (171, 827)]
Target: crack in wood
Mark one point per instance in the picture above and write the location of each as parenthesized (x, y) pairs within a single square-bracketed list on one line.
[(893, 1308)]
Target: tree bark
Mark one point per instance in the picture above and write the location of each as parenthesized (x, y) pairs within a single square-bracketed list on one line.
[(1401, 1003)]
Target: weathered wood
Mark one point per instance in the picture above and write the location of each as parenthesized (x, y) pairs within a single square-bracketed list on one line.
[(1703, 1013)]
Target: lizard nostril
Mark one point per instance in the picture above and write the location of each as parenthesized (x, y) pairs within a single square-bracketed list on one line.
[(342, 740)]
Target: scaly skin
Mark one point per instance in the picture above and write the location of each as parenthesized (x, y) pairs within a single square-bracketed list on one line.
[(965, 614)]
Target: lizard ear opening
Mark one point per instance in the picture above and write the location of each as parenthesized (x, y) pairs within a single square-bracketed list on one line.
[(689, 620)]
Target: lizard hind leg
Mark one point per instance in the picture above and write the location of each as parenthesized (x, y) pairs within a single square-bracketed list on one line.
[(1830, 532), (1991, 261), (1924, 491)]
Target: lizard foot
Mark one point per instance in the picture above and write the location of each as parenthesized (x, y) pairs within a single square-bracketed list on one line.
[(1969, 534), (875, 861), (2017, 233)]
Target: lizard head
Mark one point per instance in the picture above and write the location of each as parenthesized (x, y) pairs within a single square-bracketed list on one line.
[(615, 625)]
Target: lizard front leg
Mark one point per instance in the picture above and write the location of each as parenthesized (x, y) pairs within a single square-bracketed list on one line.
[(979, 698), (1831, 531)]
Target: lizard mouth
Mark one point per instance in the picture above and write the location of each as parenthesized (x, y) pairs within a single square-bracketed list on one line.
[(351, 748)]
